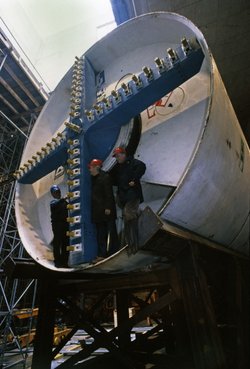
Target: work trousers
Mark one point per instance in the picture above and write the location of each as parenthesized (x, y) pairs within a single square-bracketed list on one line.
[(60, 243), (130, 214), (107, 238)]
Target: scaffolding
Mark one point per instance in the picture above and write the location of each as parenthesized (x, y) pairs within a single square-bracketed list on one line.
[(21, 99), (15, 293)]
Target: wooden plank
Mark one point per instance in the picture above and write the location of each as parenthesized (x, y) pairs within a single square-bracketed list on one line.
[(136, 280), (64, 341), (25, 313)]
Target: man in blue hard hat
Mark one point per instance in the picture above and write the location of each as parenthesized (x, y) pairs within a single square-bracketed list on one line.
[(59, 214)]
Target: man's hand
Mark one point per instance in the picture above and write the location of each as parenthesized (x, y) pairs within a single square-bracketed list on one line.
[(107, 211), (131, 183)]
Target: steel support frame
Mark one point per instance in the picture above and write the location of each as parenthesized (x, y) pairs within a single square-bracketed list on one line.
[(184, 313), (45, 324), (204, 335), (117, 341)]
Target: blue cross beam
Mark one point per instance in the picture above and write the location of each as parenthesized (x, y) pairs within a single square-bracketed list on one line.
[(116, 110), (93, 133)]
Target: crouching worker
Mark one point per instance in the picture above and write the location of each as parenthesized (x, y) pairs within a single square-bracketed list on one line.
[(103, 210), (127, 175), (59, 214)]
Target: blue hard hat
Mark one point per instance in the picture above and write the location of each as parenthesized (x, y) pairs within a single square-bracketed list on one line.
[(54, 189)]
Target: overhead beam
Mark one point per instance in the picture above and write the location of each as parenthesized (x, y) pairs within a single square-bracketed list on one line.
[(20, 84), (27, 113), (3, 61), (15, 56), (11, 107), (13, 93)]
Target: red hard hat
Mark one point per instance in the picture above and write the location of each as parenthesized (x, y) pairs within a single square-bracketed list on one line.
[(119, 150), (95, 163)]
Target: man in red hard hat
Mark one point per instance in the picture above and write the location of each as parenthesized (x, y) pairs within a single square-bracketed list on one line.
[(127, 175), (103, 210)]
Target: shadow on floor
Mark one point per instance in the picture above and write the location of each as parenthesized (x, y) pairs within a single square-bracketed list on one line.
[(143, 361)]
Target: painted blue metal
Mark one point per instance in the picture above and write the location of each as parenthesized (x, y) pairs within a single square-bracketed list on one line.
[(86, 241), (89, 242), (99, 131), (46, 165), (123, 10), (140, 98)]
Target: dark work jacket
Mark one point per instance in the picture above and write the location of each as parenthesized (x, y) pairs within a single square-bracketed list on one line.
[(59, 211), (131, 170), (102, 198)]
